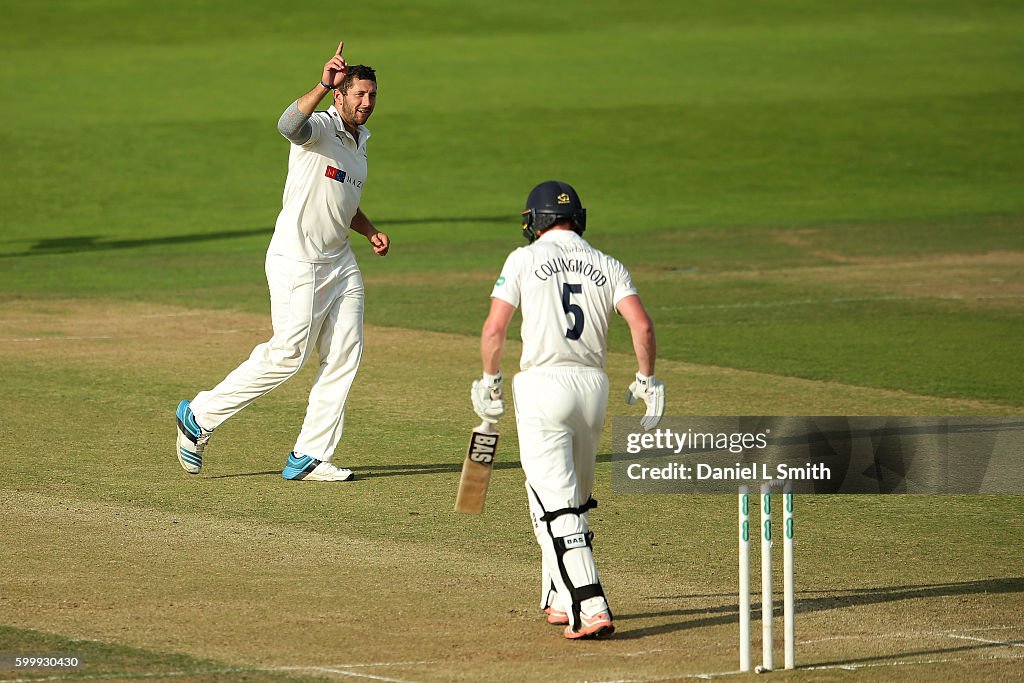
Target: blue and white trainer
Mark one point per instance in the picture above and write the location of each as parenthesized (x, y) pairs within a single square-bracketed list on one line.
[(192, 439), (306, 468)]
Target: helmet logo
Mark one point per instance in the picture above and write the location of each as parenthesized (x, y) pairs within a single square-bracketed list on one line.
[(563, 198)]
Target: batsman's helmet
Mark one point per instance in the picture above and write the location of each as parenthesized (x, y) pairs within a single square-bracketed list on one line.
[(549, 203)]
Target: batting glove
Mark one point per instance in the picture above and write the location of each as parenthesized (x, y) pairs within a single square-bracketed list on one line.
[(652, 392), (486, 395)]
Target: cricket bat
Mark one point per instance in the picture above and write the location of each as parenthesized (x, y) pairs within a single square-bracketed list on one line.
[(476, 470)]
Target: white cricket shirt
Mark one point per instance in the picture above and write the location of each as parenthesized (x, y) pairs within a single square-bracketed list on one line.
[(321, 194), (568, 291)]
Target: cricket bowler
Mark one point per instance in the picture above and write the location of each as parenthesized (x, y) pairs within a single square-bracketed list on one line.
[(316, 289)]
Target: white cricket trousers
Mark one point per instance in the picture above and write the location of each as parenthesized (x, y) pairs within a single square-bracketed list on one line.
[(313, 307), (559, 416)]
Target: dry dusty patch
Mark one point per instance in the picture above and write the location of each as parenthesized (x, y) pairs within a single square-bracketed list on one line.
[(803, 240), (994, 277), (252, 593), (134, 333), (246, 592)]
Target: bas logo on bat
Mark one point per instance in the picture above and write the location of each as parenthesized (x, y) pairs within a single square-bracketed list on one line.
[(482, 449), (476, 470)]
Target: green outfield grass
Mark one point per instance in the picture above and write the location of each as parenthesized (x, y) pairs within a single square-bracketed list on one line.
[(821, 206)]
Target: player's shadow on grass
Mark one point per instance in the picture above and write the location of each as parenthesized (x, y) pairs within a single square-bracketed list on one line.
[(376, 471), (89, 243), (265, 473), (977, 644), (809, 602)]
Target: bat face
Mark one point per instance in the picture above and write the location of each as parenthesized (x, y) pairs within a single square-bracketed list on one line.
[(476, 470)]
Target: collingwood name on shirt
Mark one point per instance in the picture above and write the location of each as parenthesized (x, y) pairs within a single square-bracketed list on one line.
[(570, 265)]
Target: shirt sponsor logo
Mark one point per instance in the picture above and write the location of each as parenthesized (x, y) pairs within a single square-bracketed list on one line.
[(336, 174), (500, 282), (342, 176)]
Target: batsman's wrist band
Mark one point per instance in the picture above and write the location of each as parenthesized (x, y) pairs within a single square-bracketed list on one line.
[(329, 87)]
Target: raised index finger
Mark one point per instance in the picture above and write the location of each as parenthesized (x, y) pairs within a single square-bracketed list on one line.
[(341, 46)]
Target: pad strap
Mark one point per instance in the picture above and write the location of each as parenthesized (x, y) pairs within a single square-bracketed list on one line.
[(582, 593), (564, 544), (555, 514)]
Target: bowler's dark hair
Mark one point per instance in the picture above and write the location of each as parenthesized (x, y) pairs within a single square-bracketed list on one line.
[(361, 72)]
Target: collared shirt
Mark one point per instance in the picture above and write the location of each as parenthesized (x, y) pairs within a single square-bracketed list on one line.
[(567, 291), (321, 194)]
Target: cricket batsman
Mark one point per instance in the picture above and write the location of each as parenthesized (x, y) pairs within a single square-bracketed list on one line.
[(567, 291)]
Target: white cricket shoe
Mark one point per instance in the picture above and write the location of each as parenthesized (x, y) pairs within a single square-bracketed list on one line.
[(307, 468), (192, 439)]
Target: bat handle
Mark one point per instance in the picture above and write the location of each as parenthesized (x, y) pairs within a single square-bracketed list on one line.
[(487, 428)]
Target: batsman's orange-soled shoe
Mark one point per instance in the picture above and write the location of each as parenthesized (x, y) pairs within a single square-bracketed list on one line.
[(598, 626), (556, 616)]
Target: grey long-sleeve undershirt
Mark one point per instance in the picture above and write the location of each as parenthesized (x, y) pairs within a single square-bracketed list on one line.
[(294, 125)]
